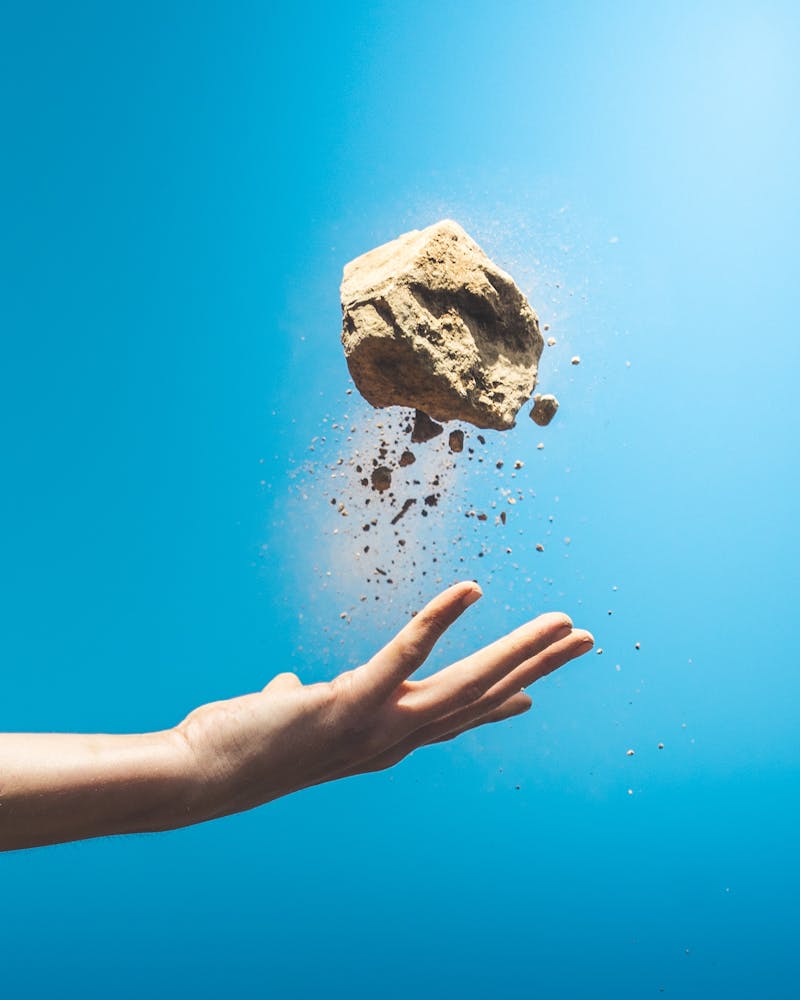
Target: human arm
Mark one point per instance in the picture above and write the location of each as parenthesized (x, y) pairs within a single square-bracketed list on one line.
[(232, 755)]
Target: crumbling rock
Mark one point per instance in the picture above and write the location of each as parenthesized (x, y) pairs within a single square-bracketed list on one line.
[(544, 409), (431, 323)]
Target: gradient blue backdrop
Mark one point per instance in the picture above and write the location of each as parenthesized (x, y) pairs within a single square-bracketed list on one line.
[(180, 185)]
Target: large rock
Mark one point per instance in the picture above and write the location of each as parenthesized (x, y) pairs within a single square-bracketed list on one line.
[(431, 323)]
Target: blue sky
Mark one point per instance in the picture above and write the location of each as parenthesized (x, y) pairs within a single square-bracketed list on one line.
[(181, 185)]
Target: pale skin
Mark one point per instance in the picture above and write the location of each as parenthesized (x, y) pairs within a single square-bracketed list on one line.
[(233, 755)]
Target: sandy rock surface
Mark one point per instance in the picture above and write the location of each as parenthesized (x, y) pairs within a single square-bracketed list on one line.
[(430, 322)]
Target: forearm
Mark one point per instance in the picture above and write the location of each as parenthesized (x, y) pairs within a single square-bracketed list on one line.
[(56, 787)]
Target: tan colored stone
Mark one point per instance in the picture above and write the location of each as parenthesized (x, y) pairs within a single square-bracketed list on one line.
[(431, 323)]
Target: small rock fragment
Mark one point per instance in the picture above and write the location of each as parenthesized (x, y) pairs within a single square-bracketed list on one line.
[(575, 360), (407, 458), (629, 753), (660, 746), (456, 441), (424, 428), (544, 409), (551, 341), (539, 547), (381, 478), (403, 510)]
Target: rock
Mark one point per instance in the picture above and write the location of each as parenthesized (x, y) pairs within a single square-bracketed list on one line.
[(381, 478), (431, 323), (407, 458), (544, 409), (456, 441), (403, 511), (424, 428), (576, 360)]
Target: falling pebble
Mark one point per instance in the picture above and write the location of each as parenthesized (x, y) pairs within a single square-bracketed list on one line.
[(518, 464), (630, 791), (381, 478), (575, 360), (540, 445), (539, 547), (424, 428), (600, 651), (407, 458), (660, 746), (637, 645), (544, 409), (551, 341), (456, 441), (629, 753)]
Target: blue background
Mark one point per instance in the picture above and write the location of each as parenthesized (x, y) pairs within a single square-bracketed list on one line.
[(181, 185)]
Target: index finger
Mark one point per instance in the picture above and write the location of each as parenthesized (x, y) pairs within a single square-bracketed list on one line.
[(409, 649)]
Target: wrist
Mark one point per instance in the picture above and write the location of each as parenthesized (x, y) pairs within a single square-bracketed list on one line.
[(186, 798)]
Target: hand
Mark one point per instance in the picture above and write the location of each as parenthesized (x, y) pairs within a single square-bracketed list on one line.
[(257, 747)]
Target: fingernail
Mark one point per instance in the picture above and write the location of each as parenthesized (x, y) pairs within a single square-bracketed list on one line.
[(471, 597)]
